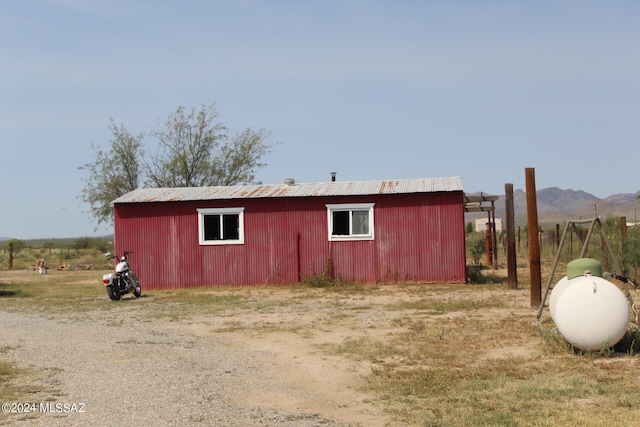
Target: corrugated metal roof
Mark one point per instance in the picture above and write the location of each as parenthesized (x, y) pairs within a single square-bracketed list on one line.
[(331, 188)]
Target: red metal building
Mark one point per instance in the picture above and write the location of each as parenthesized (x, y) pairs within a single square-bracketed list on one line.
[(362, 231)]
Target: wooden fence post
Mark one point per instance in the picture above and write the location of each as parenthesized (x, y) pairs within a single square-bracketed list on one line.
[(512, 266)]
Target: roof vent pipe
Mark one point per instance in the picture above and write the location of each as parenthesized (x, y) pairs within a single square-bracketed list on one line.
[(289, 181), (333, 176)]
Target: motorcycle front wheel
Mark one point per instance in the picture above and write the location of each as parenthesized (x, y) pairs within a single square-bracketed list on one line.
[(113, 293), (137, 290)]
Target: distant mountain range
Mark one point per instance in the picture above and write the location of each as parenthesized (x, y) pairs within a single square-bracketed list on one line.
[(555, 204)]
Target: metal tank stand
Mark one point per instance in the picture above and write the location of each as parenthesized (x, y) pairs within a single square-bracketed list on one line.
[(585, 245)]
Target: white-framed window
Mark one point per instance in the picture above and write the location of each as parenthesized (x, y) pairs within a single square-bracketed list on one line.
[(221, 226), (350, 221)]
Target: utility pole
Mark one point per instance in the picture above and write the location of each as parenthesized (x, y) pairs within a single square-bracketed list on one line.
[(534, 243)]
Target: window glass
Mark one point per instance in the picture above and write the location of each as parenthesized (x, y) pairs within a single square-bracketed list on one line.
[(340, 223), (360, 222), (350, 221), (221, 226), (230, 227)]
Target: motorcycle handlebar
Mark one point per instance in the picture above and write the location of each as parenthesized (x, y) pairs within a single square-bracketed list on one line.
[(115, 256)]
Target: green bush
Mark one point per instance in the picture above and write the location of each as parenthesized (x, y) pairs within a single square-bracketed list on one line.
[(475, 246), (82, 253), (17, 245)]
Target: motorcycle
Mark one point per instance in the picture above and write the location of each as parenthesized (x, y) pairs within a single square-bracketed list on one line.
[(123, 281)]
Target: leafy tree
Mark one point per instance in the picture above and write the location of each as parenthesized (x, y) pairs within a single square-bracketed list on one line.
[(240, 157), (196, 151), (187, 144), (193, 150), (469, 227), (18, 244), (113, 173)]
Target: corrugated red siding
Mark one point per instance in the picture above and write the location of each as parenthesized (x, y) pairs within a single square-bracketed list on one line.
[(418, 237)]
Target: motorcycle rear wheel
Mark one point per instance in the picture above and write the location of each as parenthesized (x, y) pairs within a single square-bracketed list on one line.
[(113, 293)]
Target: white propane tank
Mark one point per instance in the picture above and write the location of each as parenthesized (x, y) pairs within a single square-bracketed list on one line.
[(555, 294), (590, 312)]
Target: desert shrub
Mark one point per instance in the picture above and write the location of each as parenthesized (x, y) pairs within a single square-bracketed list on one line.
[(475, 245), (630, 343), (321, 281), (96, 243)]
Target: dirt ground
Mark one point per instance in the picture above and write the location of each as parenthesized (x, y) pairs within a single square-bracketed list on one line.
[(291, 341), (274, 346)]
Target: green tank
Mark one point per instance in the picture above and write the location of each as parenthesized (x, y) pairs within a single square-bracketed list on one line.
[(577, 267)]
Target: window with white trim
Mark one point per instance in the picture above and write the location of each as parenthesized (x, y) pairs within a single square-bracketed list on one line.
[(350, 221), (221, 226)]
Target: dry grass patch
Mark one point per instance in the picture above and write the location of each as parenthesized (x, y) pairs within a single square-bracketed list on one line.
[(508, 392), (487, 366), (56, 292), (19, 385), (363, 348), (440, 355)]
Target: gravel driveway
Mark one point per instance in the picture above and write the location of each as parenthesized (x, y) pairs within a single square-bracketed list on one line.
[(117, 367)]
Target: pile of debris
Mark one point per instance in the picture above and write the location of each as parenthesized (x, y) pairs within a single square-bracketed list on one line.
[(79, 266), (40, 266)]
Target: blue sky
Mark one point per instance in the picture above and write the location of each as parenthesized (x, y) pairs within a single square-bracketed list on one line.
[(370, 89)]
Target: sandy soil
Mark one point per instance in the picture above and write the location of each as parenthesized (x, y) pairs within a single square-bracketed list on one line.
[(239, 367)]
